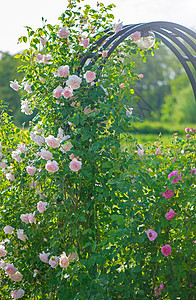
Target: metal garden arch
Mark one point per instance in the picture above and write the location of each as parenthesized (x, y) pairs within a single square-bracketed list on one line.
[(179, 39)]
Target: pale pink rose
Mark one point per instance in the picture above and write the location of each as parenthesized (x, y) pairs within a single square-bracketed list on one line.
[(140, 76), (25, 218), (52, 142), (22, 148), (105, 53), (74, 82), (53, 262), (170, 215), (129, 111), (57, 93), (90, 76), (52, 166), (3, 164), (193, 171), (31, 170), (73, 256), (3, 252), (75, 165), (166, 250), (41, 206), (16, 155), (62, 71), (122, 85), (10, 177), (25, 107), (37, 139), (140, 150), (63, 32), (43, 41), (46, 154), (39, 57), (8, 229), (47, 59), (176, 176), (168, 194), (10, 269), (2, 264), (16, 276), (136, 36), (44, 256), (21, 236), (16, 294), (66, 147), (85, 42), (61, 135), (32, 218), (151, 234), (118, 27), (67, 93), (158, 151), (14, 85), (64, 261), (27, 87)]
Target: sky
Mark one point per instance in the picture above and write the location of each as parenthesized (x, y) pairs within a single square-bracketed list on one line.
[(14, 15)]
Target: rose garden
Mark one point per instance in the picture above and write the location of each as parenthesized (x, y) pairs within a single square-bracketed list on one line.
[(83, 215)]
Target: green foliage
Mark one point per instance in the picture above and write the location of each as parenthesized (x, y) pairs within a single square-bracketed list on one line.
[(97, 214)]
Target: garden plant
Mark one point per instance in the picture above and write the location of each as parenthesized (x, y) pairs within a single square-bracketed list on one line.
[(84, 216)]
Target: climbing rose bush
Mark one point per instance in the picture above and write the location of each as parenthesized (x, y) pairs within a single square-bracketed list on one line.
[(86, 212)]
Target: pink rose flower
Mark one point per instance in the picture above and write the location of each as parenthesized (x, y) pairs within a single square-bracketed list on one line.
[(52, 142), (158, 151), (170, 215), (175, 174), (118, 27), (3, 252), (193, 171), (161, 286), (39, 140), (63, 32), (39, 57), (21, 236), (32, 218), (10, 269), (64, 261), (10, 177), (74, 82), (90, 76), (8, 229), (187, 129), (85, 42), (31, 170), (75, 165), (140, 150), (16, 276), (166, 250), (14, 85), (3, 164), (67, 93), (136, 36), (168, 194), (22, 148), (44, 256), (25, 218), (53, 262), (43, 41), (47, 155), (41, 206), (151, 234), (63, 71), (27, 87), (16, 294), (66, 147), (73, 256), (57, 93), (52, 166), (105, 53), (16, 155)]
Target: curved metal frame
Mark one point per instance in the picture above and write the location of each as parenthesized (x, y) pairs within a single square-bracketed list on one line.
[(173, 35)]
